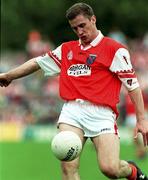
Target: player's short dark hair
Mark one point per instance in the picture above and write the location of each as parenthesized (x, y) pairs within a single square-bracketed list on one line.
[(79, 9)]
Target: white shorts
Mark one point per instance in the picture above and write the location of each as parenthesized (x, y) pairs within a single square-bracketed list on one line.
[(92, 119)]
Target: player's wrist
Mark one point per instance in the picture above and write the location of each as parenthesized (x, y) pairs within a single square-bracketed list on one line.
[(9, 77), (140, 119)]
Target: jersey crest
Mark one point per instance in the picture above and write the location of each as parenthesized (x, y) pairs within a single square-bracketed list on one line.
[(91, 59)]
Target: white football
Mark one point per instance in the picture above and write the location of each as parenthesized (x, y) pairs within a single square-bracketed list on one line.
[(66, 145)]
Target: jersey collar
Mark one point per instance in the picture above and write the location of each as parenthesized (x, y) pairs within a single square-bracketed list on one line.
[(94, 43)]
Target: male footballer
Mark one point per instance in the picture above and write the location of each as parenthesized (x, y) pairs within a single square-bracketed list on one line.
[(92, 70)]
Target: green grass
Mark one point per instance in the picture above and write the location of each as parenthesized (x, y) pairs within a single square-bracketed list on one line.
[(34, 161)]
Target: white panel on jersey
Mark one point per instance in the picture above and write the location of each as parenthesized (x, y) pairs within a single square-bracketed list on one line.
[(121, 61), (48, 65), (121, 65), (58, 52), (130, 83)]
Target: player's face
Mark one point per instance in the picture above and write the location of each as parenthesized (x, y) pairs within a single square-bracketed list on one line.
[(85, 28)]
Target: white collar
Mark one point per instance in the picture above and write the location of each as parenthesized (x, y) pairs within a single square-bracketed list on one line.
[(95, 42)]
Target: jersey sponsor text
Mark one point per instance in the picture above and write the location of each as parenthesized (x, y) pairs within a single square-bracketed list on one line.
[(79, 70)]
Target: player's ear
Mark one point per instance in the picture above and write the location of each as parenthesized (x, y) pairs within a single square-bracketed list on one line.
[(93, 19)]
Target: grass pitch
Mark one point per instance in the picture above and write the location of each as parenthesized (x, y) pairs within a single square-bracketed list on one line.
[(34, 161)]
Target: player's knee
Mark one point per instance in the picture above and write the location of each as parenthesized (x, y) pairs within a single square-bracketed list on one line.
[(110, 170), (69, 168)]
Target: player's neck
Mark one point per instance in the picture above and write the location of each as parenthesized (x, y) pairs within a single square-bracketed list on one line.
[(94, 35)]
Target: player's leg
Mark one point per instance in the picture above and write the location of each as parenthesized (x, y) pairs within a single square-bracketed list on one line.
[(108, 149), (70, 169)]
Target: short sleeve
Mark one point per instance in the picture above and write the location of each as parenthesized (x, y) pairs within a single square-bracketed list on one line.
[(48, 65), (122, 67)]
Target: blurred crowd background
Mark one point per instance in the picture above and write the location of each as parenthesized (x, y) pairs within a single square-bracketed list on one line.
[(30, 28)]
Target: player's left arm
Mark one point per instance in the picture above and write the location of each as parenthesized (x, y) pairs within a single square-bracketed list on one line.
[(122, 67), (142, 124)]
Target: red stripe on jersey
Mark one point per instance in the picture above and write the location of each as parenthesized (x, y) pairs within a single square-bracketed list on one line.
[(55, 58), (126, 71), (127, 75)]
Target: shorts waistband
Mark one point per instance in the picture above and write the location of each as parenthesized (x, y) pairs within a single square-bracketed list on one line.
[(85, 102), (81, 101)]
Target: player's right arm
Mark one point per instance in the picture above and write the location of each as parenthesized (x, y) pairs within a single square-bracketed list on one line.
[(23, 70), (50, 63)]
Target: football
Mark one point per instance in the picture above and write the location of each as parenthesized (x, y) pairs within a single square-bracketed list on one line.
[(66, 145)]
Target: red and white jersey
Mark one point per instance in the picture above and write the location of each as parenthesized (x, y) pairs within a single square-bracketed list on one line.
[(94, 73)]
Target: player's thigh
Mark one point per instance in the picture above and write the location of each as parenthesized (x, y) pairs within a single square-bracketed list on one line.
[(78, 131), (71, 166), (107, 148)]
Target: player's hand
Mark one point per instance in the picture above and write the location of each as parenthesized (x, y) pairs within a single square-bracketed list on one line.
[(142, 127), (4, 80)]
